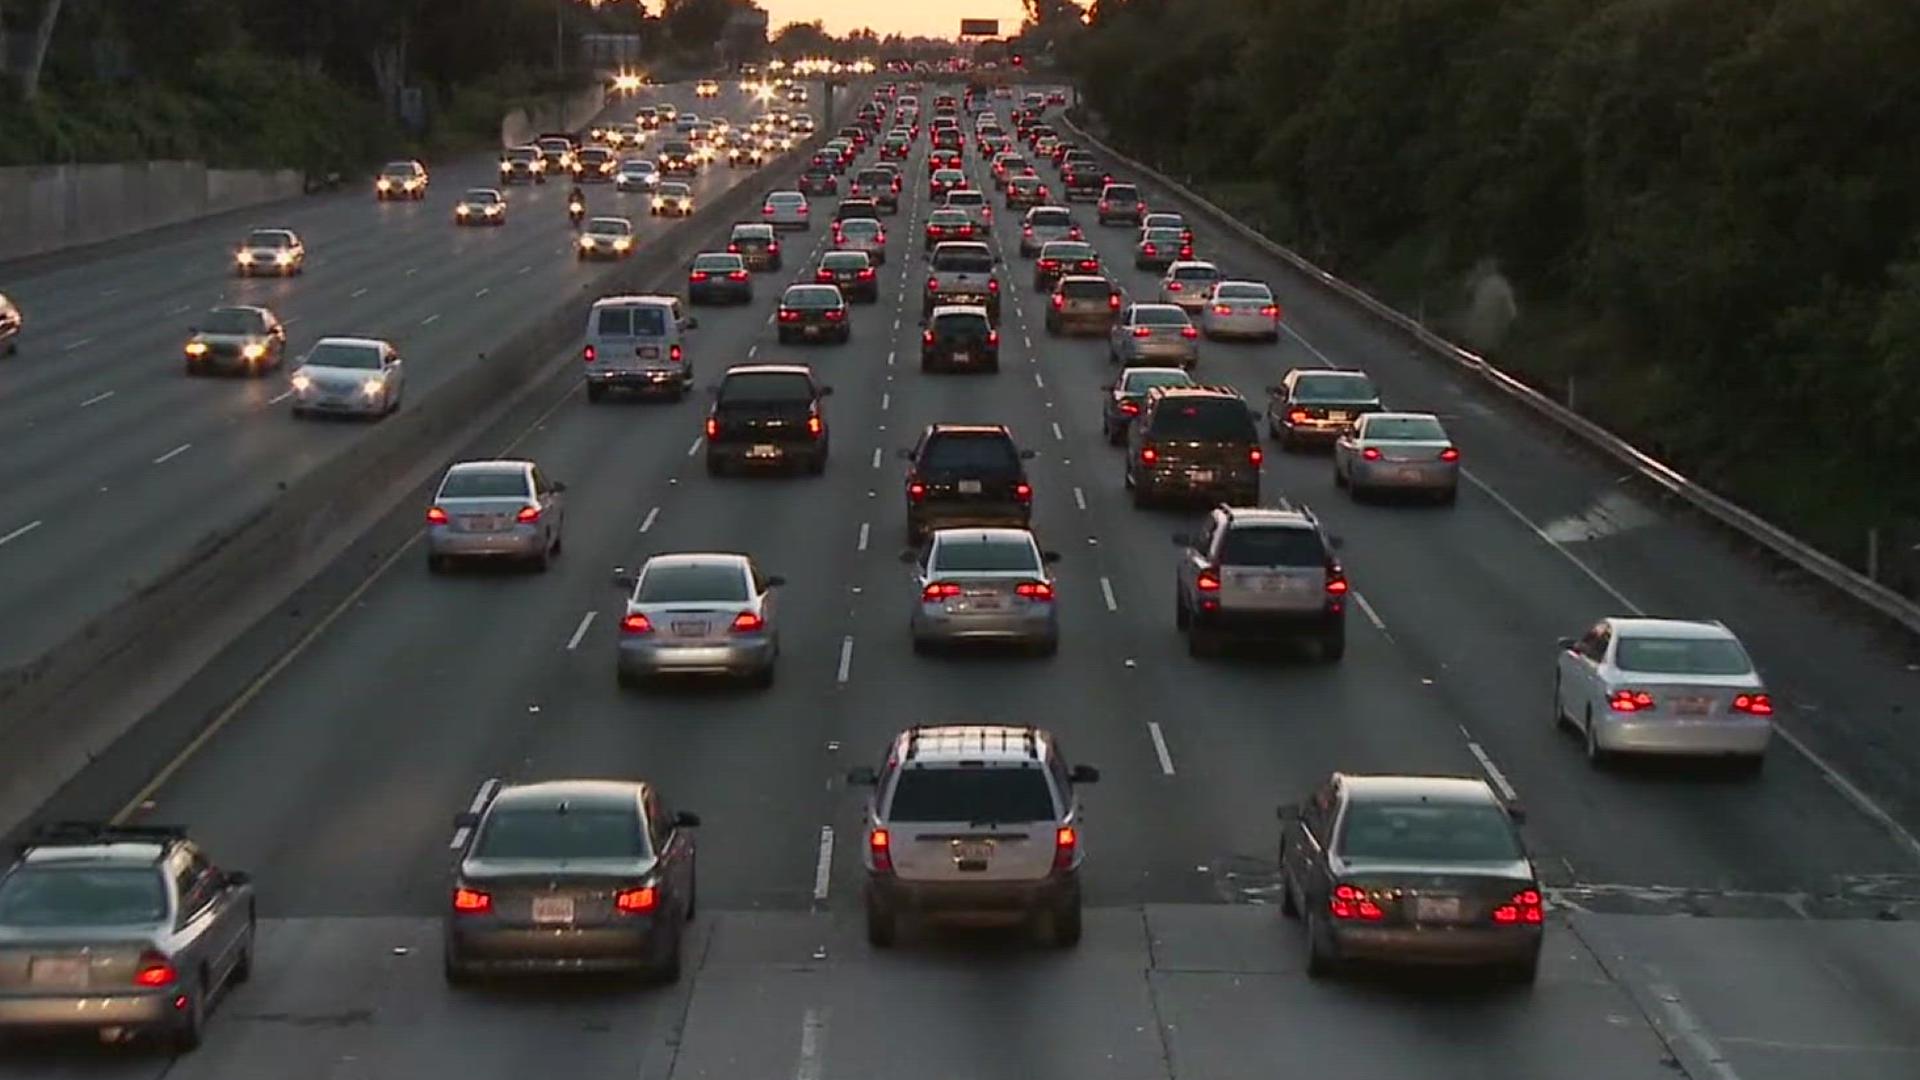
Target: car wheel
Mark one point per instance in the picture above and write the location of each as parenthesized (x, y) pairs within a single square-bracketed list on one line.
[(242, 969), (1750, 765), (1141, 500), (763, 679), (1181, 617), (437, 564), (1200, 641), (1320, 963), (1450, 496), (818, 465), (1524, 972), (669, 969), (595, 391), (1597, 756), (883, 927), (192, 1027), (539, 563), (1048, 647), (1333, 643), (1288, 907), (715, 467), (1066, 924)]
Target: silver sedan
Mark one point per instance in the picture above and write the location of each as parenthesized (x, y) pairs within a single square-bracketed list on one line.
[(1663, 686), (1187, 284), (1149, 334), (1397, 451), (1241, 309), (495, 510), (984, 585), (348, 375), (709, 613)]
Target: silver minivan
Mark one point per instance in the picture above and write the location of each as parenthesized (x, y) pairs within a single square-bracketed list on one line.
[(638, 343)]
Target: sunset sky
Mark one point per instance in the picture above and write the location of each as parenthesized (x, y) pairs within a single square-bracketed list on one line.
[(934, 18)]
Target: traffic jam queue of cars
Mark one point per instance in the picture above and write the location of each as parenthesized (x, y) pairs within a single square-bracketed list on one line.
[(147, 929)]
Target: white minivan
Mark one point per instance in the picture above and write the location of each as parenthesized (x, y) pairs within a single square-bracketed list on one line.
[(638, 343)]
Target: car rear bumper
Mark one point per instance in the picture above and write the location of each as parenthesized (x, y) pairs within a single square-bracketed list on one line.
[(1180, 481), (784, 451), (959, 358), (1705, 738), (1268, 624), (663, 657), (1019, 622), (1311, 430), (1412, 475), (552, 948), (1437, 945), (518, 542), (354, 403), (55, 1012), (643, 378), (1180, 353), (959, 897), (729, 291), (1241, 326)]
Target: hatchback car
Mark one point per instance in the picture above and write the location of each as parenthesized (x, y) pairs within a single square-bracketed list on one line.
[(966, 474), (1410, 870), (1663, 687), (270, 251), (1153, 334), (570, 876), (983, 585), (719, 277), (248, 339), (768, 416), (1240, 309), (959, 337), (1318, 405), (349, 376), (852, 272), (1400, 452), (699, 614), (1187, 284), (1122, 399), (786, 210), (481, 206), (813, 313), (605, 238), (1263, 574), (495, 510)]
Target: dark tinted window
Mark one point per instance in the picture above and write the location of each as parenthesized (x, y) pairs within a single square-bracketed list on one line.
[(971, 453), (955, 323), (985, 555), (1333, 388), (844, 260), (632, 322), (1405, 427), (1086, 290), (807, 296), (231, 321), (1139, 382), (1166, 315), (1122, 193), (687, 583), (580, 833), (1203, 418), (719, 264), (761, 386), (875, 176), (615, 322), (484, 484), (1681, 656), (963, 262), (1427, 832), (1255, 546), (971, 795), (82, 896)]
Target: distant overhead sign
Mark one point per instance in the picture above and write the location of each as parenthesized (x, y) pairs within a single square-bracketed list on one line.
[(979, 27)]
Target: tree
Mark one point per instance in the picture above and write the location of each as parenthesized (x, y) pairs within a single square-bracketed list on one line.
[(798, 40), (37, 49)]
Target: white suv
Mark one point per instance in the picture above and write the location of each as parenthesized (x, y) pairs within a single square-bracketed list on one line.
[(974, 818)]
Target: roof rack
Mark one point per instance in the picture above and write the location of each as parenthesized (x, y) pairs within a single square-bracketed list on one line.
[(101, 832)]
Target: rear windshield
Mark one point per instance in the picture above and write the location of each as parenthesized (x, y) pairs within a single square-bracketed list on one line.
[(810, 296), (971, 795), (689, 583), (1163, 236), (843, 260), (1333, 388), (484, 484), (959, 322), (1234, 291), (716, 262), (1214, 419), (1139, 382), (972, 453), (341, 355), (761, 386), (82, 896), (1682, 656), (1067, 249), (981, 555), (853, 226), (590, 832), (876, 176), (966, 198), (632, 322), (1196, 273), (1086, 290), (1271, 547), (1427, 832), (230, 321), (1159, 316), (1122, 192), (964, 262), (1419, 427), (948, 216)]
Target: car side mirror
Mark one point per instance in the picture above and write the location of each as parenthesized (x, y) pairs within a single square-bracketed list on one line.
[(1106, 386), (1286, 812), (1568, 643), (466, 820), (1027, 455), (1084, 774), (622, 579), (1050, 557), (1277, 391), (237, 878), (862, 776), (906, 454), (774, 581), (684, 820), (1517, 813), (693, 323), (557, 487)]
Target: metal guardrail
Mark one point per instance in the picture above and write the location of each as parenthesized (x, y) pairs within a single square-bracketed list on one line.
[(1834, 573)]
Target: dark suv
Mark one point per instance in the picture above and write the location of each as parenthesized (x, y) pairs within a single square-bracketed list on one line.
[(959, 337), (1318, 405), (1263, 573), (767, 415), (1194, 442), (966, 474)]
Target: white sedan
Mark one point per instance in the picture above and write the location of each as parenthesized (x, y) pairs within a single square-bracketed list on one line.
[(349, 375), (1241, 309), (786, 210), (1397, 451), (1663, 686)]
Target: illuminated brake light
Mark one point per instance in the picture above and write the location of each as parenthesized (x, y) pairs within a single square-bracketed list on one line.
[(1524, 908), (1371, 453), (1034, 590), (1174, 286), (747, 622), (587, 354), (472, 902), (1059, 301), (1630, 701), (698, 275), (527, 515), (866, 274), (436, 516), (1148, 455), (713, 427), (1336, 582), (815, 426), (932, 284), (824, 275), (636, 901), (880, 850), (737, 275), (1113, 301), (1272, 310), (674, 353), (1296, 415), (1208, 581), (993, 338), (1023, 491), (1189, 332), (1149, 249), (1450, 454), (1222, 309), (993, 284), (1352, 903), (735, 248), (636, 623), (1066, 843), (1131, 408), (1142, 331), (1255, 456), (939, 590), (1753, 704), (154, 970)]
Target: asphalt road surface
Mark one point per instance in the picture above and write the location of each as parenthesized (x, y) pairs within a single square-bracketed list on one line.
[(1703, 925)]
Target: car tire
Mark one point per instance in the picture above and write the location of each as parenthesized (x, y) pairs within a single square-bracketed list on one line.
[(669, 969), (1066, 924), (883, 926), (437, 564), (1047, 648), (1599, 757), (539, 563), (1201, 643), (595, 392), (1524, 972), (1321, 964), (1141, 499), (1450, 496), (242, 970), (715, 466), (192, 1027), (1333, 643), (1182, 618), (1749, 766), (1289, 908), (763, 679)]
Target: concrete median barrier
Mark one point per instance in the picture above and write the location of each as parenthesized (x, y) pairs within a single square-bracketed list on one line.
[(45, 208)]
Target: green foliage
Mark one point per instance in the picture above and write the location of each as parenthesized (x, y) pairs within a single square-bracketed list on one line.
[(1710, 209)]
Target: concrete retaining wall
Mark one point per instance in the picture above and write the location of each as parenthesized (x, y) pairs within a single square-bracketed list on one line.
[(521, 126), (49, 207)]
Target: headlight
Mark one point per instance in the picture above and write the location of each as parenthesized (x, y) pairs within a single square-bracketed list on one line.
[(506, 166), (493, 210), (622, 244), (301, 383), (251, 352), (658, 202), (373, 386), (586, 242), (196, 348), (243, 257), (461, 210), (383, 183), (283, 257)]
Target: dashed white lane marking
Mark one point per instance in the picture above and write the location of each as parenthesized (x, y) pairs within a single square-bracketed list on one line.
[(478, 804), (813, 1037), (97, 398), (412, 270), (876, 457), (1367, 610), (523, 270), (695, 448), (647, 522), (19, 532), (1027, 339), (885, 400), (482, 292), (823, 867), (1079, 498), (751, 350), (581, 630), (1038, 381), (181, 310), (1493, 771), (81, 344), (890, 352), (864, 529), (357, 293), (846, 659), (280, 397), (173, 453), (1106, 590), (1160, 747), (1057, 433), (431, 319)]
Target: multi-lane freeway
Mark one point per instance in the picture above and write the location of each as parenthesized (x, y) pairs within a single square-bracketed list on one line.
[(1701, 924)]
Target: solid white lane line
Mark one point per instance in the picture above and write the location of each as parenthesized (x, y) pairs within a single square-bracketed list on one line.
[(1493, 771), (751, 350), (846, 658), (97, 398), (647, 522), (862, 545), (19, 532), (876, 457), (823, 867), (1367, 610), (280, 397), (1038, 381), (173, 453), (1106, 590), (1160, 747), (1057, 433), (695, 448), (478, 804), (1079, 498), (813, 1038), (581, 630), (81, 344)]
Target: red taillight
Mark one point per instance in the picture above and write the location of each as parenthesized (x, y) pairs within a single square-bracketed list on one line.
[(735, 248), (1148, 455), (737, 275), (1753, 704), (1104, 205), (1066, 842), (436, 516), (1142, 331), (587, 354), (1271, 309), (1336, 582), (1208, 581), (1371, 453), (472, 902), (1630, 701), (674, 353), (1026, 230), (767, 210), (824, 275), (1255, 456), (993, 284), (1222, 309), (1150, 249), (993, 338), (966, 230), (880, 850), (1059, 302), (1450, 454), (154, 970), (698, 275), (916, 491), (636, 901), (713, 427), (1174, 286), (1351, 903), (932, 284), (773, 246), (1049, 264), (815, 426), (939, 590), (1131, 408), (789, 315), (867, 274), (1023, 491), (1189, 332), (747, 622), (1113, 301), (636, 624), (836, 314), (1074, 233), (926, 337), (1296, 415), (1524, 908), (880, 238), (1034, 590), (527, 515)]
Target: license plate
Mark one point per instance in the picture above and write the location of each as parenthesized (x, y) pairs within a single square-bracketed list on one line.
[(648, 352), (764, 450), (985, 602), (1408, 473), (812, 330), (1339, 415), (960, 357), (1266, 583), (69, 973), (477, 523), (1201, 476), (1692, 706), (553, 909), (691, 628), (968, 487), (975, 851), (1437, 908)]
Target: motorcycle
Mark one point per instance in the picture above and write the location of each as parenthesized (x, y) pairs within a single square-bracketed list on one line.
[(576, 211)]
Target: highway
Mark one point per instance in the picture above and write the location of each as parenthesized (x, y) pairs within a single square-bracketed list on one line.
[(1701, 925), (115, 461)]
